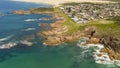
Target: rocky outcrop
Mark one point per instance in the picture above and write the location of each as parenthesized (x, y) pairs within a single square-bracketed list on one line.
[(112, 46), (90, 31), (58, 35), (93, 40), (34, 11), (111, 43), (52, 40), (19, 12)]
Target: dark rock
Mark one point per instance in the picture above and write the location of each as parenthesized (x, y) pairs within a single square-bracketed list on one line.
[(112, 46)]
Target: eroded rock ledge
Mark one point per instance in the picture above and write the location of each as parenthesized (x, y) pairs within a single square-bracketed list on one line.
[(112, 46), (58, 34)]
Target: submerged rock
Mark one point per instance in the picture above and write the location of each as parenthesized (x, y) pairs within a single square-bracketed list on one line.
[(52, 41), (21, 12)]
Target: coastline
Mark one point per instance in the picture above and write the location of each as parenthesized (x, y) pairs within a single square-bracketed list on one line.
[(56, 39), (100, 56), (58, 2), (24, 47), (58, 33)]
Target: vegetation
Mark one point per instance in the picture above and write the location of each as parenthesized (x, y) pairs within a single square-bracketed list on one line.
[(43, 9), (72, 26), (109, 26), (73, 3)]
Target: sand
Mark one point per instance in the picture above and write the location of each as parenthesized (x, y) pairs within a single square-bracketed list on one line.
[(58, 2)]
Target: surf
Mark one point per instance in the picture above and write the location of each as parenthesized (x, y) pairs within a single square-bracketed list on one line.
[(6, 38)]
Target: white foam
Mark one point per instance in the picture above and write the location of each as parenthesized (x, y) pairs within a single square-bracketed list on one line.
[(116, 62), (26, 42), (30, 20), (99, 57), (28, 29), (8, 45), (85, 51), (82, 41), (105, 59), (6, 38)]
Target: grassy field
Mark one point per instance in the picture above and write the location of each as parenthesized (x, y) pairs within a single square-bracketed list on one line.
[(44, 9), (111, 28), (72, 26)]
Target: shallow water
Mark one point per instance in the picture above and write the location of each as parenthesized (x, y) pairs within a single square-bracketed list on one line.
[(12, 29)]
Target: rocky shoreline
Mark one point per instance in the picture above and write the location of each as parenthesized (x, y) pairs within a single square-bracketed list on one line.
[(34, 11), (112, 46), (57, 35)]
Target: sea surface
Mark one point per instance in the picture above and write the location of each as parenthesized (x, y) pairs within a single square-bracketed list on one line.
[(15, 28)]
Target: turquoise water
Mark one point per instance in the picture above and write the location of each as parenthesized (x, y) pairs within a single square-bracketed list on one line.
[(67, 55)]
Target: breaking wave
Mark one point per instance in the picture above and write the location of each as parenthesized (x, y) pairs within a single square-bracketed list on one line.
[(13, 44), (29, 29), (99, 57), (6, 38), (31, 20), (8, 45)]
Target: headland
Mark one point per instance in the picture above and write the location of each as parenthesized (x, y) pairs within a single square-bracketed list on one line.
[(77, 20)]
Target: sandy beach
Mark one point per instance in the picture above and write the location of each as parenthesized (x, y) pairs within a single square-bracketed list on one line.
[(57, 2)]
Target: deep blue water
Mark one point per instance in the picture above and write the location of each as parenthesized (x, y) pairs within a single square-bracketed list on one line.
[(12, 27), (10, 22)]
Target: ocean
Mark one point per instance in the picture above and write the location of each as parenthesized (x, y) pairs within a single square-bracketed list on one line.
[(16, 28)]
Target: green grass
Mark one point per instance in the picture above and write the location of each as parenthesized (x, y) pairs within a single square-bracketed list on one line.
[(111, 28), (72, 26), (72, 3), (43, 9)]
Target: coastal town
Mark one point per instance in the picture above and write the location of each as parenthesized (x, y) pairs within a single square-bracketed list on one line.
[(84, 12)]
